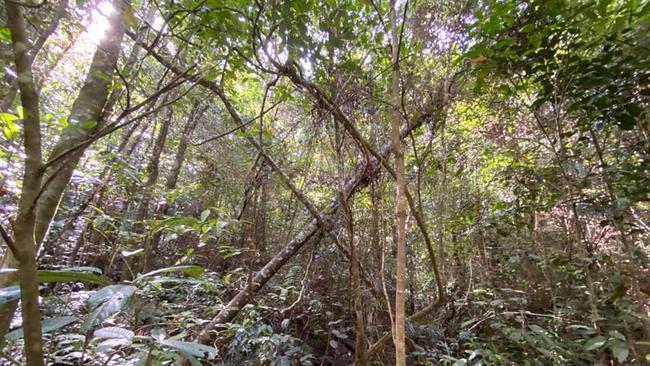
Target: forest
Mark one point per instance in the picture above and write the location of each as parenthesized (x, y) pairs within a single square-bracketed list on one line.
[(325, 182)]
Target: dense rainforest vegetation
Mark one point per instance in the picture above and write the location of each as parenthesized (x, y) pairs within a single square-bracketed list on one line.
[(333, 182)]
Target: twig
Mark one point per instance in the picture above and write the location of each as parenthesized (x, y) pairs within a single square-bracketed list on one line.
[(303, 282), (235, 128), (10, 242)]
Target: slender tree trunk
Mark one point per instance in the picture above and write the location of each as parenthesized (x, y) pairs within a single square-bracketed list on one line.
[(7, 310), (24, 246), (260, 218), (399, 334), (152, 178), (442, 194), (42, 189), (172, 178), (355, 277)]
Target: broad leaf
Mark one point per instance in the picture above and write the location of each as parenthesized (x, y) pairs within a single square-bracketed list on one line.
[(69, 276), (47, 325), (114, 332), (620, 350), (111, 344), (595, 343), (10, 293), (192, 271), (106, 302), (190, 348)]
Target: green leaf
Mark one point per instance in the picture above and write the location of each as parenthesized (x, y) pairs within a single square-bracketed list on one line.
[(579, 328), (114, 332), (595, 343), (616, 334), (204, 215), (9, 128), (536, 328), (111, 344), (83, 269), (47, 325), (626, 121), (106, 302), (192, 271), (7, 117), (190, 348), (620, 350), (88, 124), (5, 34), (634, 109), (102, 75), (9, 294), (536, 39), (69, 276)]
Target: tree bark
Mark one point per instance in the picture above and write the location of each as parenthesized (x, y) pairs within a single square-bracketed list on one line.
[(86, 112), (23, 226), (399, 333), (43, 187)]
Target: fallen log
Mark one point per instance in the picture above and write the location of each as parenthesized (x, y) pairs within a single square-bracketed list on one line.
[(363, 174)]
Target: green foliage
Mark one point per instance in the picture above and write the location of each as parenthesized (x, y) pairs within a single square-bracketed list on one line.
[(105, 302), (192, 271), (70, 275), (258, 340), (48, 325), (9, 127), (550, 49), (111, 338)]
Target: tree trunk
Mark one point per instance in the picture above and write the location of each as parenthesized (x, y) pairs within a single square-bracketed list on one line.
[(152, 177), (172, 178), (363, 174), (42, 191), (24, 246), (399, 333), (87, 107), (355, 277)]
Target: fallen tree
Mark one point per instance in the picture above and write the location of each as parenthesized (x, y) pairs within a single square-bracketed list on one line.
[(362, 176)]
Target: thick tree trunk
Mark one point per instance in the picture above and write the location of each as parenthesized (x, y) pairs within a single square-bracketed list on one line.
[(9, 261), (84, 121)]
